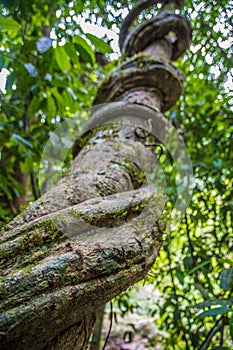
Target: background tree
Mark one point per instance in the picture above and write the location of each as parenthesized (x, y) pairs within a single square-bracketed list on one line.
[(194, 271)]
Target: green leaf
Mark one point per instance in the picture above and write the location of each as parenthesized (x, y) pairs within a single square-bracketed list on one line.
[(79, 6), (26, 165), (17, 187), (219, 185), (59, 99), (100, 44), (34, 105), (72, 94), (51, 107), (214, 312), (9, 81), (9, 24), (68, 100), (2, 62), (62, 58), (22, 140), (71, 51), (5, 189), (58, 81), (85, 50), (207, 303), (199, 266), (180, 276), (4, 135), (231, 326), (188, 262), (226, 279), (217, 163)]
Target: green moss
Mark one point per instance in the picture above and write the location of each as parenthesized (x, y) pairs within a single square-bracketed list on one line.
[(31, 238), (3, 253)]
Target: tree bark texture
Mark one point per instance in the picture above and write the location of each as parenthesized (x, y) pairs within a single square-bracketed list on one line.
[(93, 234)]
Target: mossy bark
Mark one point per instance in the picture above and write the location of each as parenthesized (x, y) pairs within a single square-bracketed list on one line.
[(77, 247)]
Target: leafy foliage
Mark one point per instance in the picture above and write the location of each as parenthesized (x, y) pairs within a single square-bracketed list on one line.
[(194, 269), (53, 73)]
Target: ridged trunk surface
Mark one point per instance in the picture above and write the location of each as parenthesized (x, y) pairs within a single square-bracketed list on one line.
[(77, 247)]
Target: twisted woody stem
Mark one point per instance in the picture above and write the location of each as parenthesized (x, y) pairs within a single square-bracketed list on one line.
[(147, 77), (84, 241)]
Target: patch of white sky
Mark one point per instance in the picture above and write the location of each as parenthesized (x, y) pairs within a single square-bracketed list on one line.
[(219, 27), (89, 24)]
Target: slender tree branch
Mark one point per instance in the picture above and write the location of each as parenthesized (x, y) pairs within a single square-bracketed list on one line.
[(215, 329), (176, 298), (11, 57), (110, 326), (34, 185), (191, 249)]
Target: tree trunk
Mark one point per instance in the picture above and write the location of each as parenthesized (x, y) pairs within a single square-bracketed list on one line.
[(60, 266), (97, 231)]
